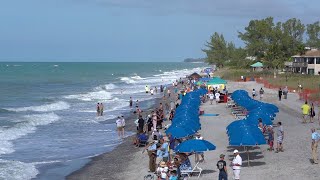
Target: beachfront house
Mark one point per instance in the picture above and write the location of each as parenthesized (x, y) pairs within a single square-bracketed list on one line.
[(307, 63)]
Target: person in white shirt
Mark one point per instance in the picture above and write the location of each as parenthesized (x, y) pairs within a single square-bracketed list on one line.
[(211, 97), (217, 95), (119, 126), (162, 170), (236, 164), (123, 121), (151, 91)]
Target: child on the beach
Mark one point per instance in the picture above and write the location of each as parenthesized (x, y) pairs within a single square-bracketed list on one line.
[(173, 175), (270, 138)]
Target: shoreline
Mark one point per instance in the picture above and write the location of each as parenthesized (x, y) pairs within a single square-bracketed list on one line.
[(99, 167)]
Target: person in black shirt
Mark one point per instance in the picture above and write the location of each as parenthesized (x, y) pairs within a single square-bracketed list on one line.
[(140, 124), (280, 94), (222, 166)]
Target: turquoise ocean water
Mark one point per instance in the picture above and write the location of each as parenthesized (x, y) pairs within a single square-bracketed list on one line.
[(48, 125)]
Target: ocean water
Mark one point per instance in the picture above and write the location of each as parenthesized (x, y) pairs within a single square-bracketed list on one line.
[(48, 123)]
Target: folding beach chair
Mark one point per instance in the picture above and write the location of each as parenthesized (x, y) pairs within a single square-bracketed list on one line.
[(142, 143), (195, 169)]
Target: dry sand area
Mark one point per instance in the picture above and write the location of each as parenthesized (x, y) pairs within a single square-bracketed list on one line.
[(293, 163)]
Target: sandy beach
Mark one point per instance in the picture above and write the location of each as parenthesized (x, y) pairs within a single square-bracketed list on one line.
[(127, 162), (112, 165)]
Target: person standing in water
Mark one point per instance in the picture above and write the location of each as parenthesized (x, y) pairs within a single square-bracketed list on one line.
[(119, 126), (123, 122), (101, 109), (130, 102), (98, 109)]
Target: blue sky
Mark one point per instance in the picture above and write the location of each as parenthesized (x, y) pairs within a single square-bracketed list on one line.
[(130, 30)]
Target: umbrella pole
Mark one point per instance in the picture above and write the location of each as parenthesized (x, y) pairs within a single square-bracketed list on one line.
[(248, 157)]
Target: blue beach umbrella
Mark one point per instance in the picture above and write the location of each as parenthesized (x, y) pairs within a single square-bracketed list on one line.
[(247, 137), (254, 119), (195, 145), (179, 132)]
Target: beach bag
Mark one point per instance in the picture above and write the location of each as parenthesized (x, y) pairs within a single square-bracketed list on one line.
[(149, 177)]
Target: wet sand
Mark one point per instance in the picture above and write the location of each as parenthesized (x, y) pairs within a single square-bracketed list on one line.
[(112, 165)]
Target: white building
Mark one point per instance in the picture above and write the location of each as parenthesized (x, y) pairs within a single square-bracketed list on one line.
[(308, 63)]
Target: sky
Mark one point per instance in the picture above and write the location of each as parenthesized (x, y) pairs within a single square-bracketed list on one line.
[(131, 30)]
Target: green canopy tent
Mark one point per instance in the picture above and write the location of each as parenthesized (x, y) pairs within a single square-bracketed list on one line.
[(216, 80), (257, 66)]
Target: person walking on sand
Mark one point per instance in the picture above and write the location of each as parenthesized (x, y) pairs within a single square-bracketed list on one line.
[(168, 92), (314, 145), (217, 95), (305, 112), (285, 92), (211, 97), (270, 138), (222, 166), (119, 126), (253, 93), (98, 109), (315, 137), (236, 164), (101, 109), (152, 149), (280, 136), (261, 92), (280, 94), (154, 120), (312, 113)]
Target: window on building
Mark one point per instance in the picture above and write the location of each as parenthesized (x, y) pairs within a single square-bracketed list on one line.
[(311, 71), (317, 60), (310, 60)]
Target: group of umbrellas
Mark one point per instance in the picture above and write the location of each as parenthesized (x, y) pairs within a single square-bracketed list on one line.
[(246, 132), (186, 122)]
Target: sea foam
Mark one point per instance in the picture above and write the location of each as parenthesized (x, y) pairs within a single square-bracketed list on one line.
[(17, 170), (60, 105), (23, 128), (91, 96)]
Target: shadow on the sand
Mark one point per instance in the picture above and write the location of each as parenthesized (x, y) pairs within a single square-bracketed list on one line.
[(252, 164), (208, 171)]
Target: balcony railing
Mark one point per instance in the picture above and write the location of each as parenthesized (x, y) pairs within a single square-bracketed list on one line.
[(299, 64)]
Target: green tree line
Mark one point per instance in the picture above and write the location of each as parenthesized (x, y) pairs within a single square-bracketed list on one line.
[(270, 42)]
